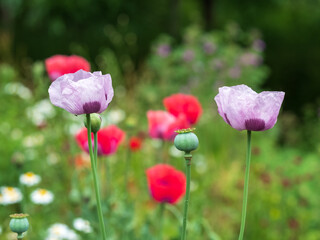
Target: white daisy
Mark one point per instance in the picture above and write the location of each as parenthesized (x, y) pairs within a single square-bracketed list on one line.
[(30, 179), (10, 195), (41, 196), (59, 231), (82, 225)]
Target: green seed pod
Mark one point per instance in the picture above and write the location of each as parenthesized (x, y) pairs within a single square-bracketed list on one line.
[(19, 223), (186, 141), (95, 120)]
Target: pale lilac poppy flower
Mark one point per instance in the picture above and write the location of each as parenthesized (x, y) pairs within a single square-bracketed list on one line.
[(82, 92), (244, 109)]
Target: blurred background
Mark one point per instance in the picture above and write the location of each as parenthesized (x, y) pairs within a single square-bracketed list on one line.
[(153, 49)]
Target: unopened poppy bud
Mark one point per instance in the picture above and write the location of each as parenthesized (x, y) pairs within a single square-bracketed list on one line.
[(95, 120), (186, 140), (19, 224)]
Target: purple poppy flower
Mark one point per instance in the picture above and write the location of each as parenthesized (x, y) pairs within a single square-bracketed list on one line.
[(82, 92), (244, 109)]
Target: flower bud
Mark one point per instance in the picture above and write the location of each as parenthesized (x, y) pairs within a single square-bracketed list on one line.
[(95, 120), (19, 223), (186, 140)]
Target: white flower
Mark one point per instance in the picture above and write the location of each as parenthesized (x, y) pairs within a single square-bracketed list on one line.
[(82, 225), (18, 89), (60, 231), (115, 116), (33, 140), (40, 112), (0, 230), (42, 196), (30, 179), (10, 195)]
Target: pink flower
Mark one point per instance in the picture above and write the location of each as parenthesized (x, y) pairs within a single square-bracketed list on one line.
[(244, 109), (187, 105), (109, 139), (166, 184), (59, 65), (163, 124)]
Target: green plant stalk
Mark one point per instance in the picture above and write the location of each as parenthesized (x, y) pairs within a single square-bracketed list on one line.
[(93, 158), (187, 157), (161, 211), (246, 185)]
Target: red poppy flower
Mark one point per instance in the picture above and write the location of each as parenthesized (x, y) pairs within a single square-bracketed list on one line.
[(188, 105), (135, 144), (163, 124), (109, 139), (59, 65), (166, 184)]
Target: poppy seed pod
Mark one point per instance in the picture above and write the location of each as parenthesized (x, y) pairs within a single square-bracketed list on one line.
[(95, 120), (186, 141), (19, 223)]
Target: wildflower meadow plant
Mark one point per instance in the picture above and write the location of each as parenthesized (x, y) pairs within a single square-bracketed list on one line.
[(86, 93), (244, 109)]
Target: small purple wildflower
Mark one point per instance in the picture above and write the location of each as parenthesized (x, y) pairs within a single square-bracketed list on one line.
[(82, 92), (188, 55), (250, 59), (209, 47), (259, 45), (163, 50), (235, 72), (244, 109)]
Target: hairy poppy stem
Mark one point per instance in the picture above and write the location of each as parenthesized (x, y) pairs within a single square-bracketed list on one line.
[(246, 185), (188, 158), (93, 158)]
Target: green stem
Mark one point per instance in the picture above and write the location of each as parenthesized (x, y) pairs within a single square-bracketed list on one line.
[(246, 185), (188, 158), (162, 207), (93, 158), (126, 173)]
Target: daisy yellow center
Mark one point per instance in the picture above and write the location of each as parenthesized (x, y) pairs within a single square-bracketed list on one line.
[(42, 192), (29, 174), (10, 189)]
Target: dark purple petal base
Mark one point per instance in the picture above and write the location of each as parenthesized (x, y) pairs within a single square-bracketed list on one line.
[(91, 107), (255, 124)]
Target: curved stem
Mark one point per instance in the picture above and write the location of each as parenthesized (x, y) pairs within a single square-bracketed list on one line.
[(93, 157), (246, 185), (186, 202)]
